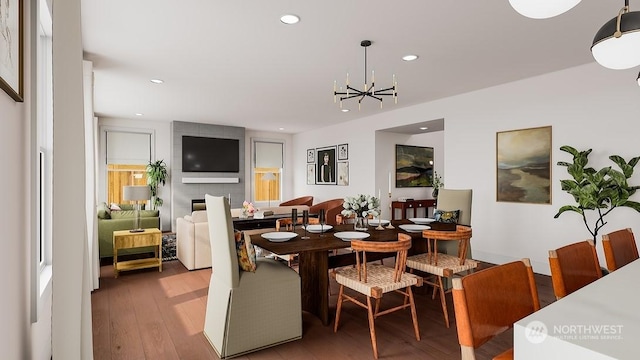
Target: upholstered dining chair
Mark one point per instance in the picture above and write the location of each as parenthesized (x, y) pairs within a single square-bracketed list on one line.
[(573, 266), (374, 280), (619, 248), (247, 311), (490, 301), (455, 199), (303, 200)]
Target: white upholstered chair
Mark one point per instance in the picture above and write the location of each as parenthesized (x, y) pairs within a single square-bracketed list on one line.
[(247, 311), (455, 199)]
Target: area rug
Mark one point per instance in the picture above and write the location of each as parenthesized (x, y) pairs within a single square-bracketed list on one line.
[(169, 246)]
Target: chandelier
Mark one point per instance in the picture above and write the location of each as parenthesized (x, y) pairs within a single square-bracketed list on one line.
[(367, 91)]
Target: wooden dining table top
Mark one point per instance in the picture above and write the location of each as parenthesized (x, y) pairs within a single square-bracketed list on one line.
[(327, 240)]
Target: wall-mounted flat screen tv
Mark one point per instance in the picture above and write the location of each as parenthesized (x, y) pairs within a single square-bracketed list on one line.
[(205, 154)]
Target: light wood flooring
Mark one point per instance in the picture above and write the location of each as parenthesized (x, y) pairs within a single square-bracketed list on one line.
[(148, 315)]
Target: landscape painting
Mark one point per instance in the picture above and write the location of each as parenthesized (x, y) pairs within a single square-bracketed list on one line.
[(523, 159), (414, 166)]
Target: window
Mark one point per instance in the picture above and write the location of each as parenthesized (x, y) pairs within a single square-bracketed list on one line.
[(128, 154), (267, 171)]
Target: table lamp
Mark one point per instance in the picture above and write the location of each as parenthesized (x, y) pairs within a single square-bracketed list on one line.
[(136, 193), (269, 177)]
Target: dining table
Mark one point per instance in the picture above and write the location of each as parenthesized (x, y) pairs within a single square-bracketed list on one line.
[(316, 257)]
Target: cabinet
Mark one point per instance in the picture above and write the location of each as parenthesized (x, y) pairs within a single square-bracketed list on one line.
[(411, 205)]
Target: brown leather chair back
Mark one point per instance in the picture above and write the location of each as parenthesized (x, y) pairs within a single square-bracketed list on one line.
[(619, 248), (304, 200), (489, 301), (573, 266), (331, 209)]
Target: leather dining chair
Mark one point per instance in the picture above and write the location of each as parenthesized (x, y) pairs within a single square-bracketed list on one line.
[(573, 266), (488, 302), (619, 248), (374, 280), (247, 311)]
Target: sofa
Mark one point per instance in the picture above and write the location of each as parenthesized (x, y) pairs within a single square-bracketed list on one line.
[(123, 219), (192, 235)]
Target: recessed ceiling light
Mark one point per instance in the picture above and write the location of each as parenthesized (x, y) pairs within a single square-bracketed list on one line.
[(157, 81), (280, 128), (289, 19), (424, 128), (409, 57), (139, 114), (345, 110)]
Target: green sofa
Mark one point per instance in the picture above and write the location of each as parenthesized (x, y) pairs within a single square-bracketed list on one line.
[(110, 221)]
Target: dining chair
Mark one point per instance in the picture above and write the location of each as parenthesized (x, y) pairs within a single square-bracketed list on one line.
[(287, 224), (573, 266), (455, 199), (490, 301), (619, 248), (375, 280), (247, 311), (439, 266)]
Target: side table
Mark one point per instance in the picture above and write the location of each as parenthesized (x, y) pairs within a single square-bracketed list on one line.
[(124, 239), (410, 205)]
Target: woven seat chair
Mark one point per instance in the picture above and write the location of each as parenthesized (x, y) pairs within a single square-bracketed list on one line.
[(374, 280), (619, 248), (287, 224), (574, 266), (441, 265), (490, 301)]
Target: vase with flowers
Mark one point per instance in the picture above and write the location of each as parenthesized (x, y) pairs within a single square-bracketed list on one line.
[(436, 183), (361, 206), (247, 210)]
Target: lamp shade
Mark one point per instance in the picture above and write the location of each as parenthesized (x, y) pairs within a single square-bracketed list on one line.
[(542, 9), (136, 193), (268, 177), (621, 52)]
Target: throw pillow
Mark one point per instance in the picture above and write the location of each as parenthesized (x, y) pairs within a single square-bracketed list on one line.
[(103, 211), (246, 252), (450, 217), (114, 207)]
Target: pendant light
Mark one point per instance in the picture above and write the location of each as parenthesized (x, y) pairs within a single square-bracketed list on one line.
[(542, 9), (617, 43)]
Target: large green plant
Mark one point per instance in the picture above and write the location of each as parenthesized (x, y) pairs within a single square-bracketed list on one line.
[(600, 191), (156, 176)]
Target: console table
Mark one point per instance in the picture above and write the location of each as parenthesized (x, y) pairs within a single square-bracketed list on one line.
[(411, 205)]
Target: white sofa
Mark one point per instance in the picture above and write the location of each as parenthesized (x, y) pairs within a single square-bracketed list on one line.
[(192, 235)]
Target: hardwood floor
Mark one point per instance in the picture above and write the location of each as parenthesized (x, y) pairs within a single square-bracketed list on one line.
[(146, 314)]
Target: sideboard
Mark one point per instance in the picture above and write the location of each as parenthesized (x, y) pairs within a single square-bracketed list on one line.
[(411, 205)]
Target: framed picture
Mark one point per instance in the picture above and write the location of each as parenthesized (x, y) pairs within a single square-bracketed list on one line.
[(11, 36), (343, 152), (523, 165), (311, 174), (311, 155), (326, 165), (414, 166), (343, 172)]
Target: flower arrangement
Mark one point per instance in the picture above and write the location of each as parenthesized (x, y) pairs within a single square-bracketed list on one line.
[(248, 208), (436, 181), (361, 206)]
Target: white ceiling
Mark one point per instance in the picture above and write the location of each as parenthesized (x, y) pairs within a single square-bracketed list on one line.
[(234, 62)]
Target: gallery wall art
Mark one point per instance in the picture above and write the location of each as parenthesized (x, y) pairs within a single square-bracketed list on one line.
[(414, 166), (523, 165)]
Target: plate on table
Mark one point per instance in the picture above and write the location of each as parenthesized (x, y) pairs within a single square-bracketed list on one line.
[(352, 235), (414, 228), (422, 221), (279, 236), (317, 228), (376, 222)]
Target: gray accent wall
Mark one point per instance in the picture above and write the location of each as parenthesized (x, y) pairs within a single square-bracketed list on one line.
[(182, 194)]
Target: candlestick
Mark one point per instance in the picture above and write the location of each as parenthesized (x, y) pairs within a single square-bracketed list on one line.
[(390, 207)]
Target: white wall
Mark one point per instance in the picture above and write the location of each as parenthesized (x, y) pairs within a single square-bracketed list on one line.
[(162, 146), (588, 107)]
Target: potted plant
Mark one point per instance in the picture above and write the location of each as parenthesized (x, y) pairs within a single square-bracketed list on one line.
[(436, 183), (156, 176), (599, 191)]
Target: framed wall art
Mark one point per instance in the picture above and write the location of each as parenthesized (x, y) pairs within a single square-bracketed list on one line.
[(311, 174), (326, 165), (343, 173), (523, 165), (414, 166), (311, 155), (11, 52), (343, 152)]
